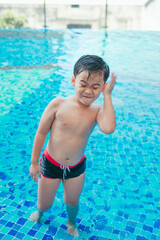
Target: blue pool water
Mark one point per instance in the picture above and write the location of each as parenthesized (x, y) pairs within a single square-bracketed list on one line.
[(121, 198)]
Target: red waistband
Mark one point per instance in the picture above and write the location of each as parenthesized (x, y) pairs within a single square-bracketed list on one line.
[(58, 164)]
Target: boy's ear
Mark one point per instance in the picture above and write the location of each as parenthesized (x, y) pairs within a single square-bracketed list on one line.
[(73, 81), (104, 86)]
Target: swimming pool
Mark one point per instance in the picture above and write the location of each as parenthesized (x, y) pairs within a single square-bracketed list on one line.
[(121, 195)]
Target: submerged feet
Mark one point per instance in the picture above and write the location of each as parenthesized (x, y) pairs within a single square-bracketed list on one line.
[(35, 217), (72, 229)]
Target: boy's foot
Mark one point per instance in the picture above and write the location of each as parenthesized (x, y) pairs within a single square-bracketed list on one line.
[(72, 230), (35, 217)]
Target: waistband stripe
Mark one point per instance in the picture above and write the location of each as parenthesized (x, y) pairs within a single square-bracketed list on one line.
[(58, 164)]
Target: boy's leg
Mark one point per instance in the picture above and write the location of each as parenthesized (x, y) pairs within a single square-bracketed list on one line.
[(47, 189), (72, 212), (72, 190)]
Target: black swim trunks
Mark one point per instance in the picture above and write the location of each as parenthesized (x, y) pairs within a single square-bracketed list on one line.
[(51, 169)]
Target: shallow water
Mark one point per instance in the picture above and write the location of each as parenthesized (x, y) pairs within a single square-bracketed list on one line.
[(121, 195)]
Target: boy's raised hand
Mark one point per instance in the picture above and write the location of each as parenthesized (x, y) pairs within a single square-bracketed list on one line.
[(108, 87)]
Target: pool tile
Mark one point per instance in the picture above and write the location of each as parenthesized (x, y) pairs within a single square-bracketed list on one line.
[(12, 232), (7, 217), (20, 213), (5, 230), (39, 235), (3, 222), (17, 226), (1, 214), (37, 226), (14, 219), (51, 230), (32, 232), (141, 238), (29, 224), (26, 237), (21, 221), (20, 235), (116, 231), (47, 221), (9, 224), (24, 230), (153, 237), (29, 204), (7, 237), (147, 228), (47, 237), (157, 224), (156, 231), (130, 229), (132, 223), (1, 235)]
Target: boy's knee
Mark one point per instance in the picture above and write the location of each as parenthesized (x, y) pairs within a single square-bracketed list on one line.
[(71, 203), (42, 207)]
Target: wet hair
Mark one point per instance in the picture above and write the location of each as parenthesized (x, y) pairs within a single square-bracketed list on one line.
[(91, 63)]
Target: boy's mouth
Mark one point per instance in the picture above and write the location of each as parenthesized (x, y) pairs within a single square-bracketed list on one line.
[(87, 96)]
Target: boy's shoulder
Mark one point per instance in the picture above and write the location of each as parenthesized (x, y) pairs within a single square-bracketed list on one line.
[(57, 100)]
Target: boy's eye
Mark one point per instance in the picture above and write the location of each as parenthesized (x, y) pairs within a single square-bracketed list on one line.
[(95, 87), (83, 85)]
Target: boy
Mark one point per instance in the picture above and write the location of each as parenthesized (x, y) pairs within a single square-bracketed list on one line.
[(70, 121)]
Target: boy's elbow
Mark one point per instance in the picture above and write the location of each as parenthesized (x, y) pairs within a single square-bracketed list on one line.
[(112, 130), (109, 130)]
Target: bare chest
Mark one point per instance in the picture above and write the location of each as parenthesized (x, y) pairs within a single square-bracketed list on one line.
[(75, 119)]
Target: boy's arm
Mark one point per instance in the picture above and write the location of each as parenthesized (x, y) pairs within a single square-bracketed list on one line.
[(43, 129), (106, 116)]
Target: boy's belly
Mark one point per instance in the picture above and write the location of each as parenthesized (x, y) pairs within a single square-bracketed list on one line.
[(68, 152)]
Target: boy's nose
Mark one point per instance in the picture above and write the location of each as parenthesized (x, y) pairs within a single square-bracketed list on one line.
[(88, 91)]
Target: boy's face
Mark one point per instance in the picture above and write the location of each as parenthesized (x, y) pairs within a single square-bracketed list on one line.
[(88, 89)]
